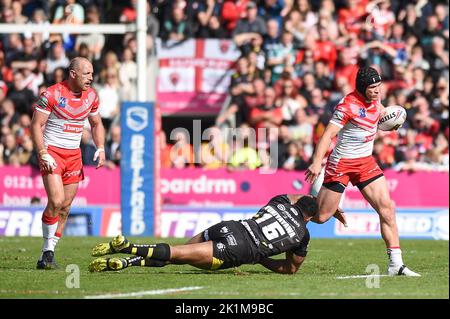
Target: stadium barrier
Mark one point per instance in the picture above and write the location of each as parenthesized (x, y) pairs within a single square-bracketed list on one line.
[(198, 187), (194, 199), (219, 188)]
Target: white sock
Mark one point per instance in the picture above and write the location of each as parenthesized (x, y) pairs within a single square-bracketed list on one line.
[(395, 257), (55, 240), (48, 232)]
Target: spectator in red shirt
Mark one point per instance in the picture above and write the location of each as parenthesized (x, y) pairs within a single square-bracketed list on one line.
[(325, 50), (257, 98), (6, 73), (129, 14), (424, 123), (267, 115), (238, 111), (351, 18), (346, 69), (232, 12), (286, 76)]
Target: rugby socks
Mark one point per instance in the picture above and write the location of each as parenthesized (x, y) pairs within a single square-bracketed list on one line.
[(395, 256), (158, 251), (144, 262), (49, 226), (56, 238)]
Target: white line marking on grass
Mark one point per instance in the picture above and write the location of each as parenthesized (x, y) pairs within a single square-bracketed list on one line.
[(143, 293), (360, 276)]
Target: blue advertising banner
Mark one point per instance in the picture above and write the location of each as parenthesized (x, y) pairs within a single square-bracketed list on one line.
[(26, 221), (137, 168)]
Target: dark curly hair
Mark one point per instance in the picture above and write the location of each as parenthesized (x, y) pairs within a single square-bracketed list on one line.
[(308, 206)]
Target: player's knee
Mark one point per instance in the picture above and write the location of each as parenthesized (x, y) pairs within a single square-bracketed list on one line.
[(55, 204), (322, 218)]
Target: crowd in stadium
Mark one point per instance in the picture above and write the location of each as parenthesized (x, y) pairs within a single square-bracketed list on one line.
[(299, 58)]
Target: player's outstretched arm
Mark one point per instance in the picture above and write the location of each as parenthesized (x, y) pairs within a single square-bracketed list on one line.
[(288, 266)]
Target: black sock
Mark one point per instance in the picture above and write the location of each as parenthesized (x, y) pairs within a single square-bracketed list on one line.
[(144, 262), (158, 251), (135, 249)]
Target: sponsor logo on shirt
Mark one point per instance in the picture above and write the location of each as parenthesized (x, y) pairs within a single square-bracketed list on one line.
[(73, 128)]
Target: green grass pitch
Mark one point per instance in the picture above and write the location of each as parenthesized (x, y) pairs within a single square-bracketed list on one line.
[(327, 260)]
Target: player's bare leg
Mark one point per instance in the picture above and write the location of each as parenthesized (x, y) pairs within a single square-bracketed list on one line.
[(196, 239), (328, 202), (199, 255), (377, 194), (55, 193), (315, 189), (70, 192)]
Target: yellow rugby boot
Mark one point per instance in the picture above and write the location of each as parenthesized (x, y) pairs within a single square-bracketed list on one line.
[(114, 246), (107, 264)]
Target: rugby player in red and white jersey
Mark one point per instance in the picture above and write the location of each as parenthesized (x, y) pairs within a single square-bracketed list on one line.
[(355, 122), (58, 122)]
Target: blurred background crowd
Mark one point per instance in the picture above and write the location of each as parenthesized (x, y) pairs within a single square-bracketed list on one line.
[(298, 59)]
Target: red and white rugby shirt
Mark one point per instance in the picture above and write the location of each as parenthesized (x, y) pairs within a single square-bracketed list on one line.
[(359, 123), (67, 114)]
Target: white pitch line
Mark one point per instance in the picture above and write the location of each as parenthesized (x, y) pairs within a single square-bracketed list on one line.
[(360, 276), (143, 293)]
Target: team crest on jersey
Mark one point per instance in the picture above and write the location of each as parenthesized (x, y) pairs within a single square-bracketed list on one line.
[(62, 102), (362, 112), (281, 207)]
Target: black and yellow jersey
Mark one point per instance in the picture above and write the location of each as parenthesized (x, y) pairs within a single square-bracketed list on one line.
[(279, 227)]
